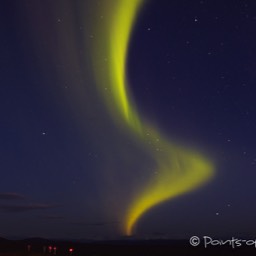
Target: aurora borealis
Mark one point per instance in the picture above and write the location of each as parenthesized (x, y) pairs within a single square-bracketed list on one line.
[(179, 170), (127, 118)]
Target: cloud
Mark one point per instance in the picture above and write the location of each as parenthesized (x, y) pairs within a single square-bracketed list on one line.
[(95, 224), (11, 196), (26, 207), (51, 217)]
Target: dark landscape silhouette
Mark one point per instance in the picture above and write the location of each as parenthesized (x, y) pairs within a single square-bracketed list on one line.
[(41, 246)]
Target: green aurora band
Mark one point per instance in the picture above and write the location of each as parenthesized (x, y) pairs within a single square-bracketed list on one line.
[(179, 170)]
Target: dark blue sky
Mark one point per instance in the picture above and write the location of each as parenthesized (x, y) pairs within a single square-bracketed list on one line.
[(192, 72)]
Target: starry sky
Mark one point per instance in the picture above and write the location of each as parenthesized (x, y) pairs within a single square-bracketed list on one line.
[(79, 159)]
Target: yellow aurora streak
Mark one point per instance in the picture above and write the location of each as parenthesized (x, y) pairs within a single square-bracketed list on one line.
[(179, 170)]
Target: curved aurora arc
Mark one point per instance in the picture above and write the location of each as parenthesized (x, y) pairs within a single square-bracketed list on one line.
[(179, 170)]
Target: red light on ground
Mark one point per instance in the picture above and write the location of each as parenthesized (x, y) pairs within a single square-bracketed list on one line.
[(71, 249), (50, 247)]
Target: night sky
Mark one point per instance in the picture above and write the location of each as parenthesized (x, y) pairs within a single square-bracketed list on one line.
[(165, 150)]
